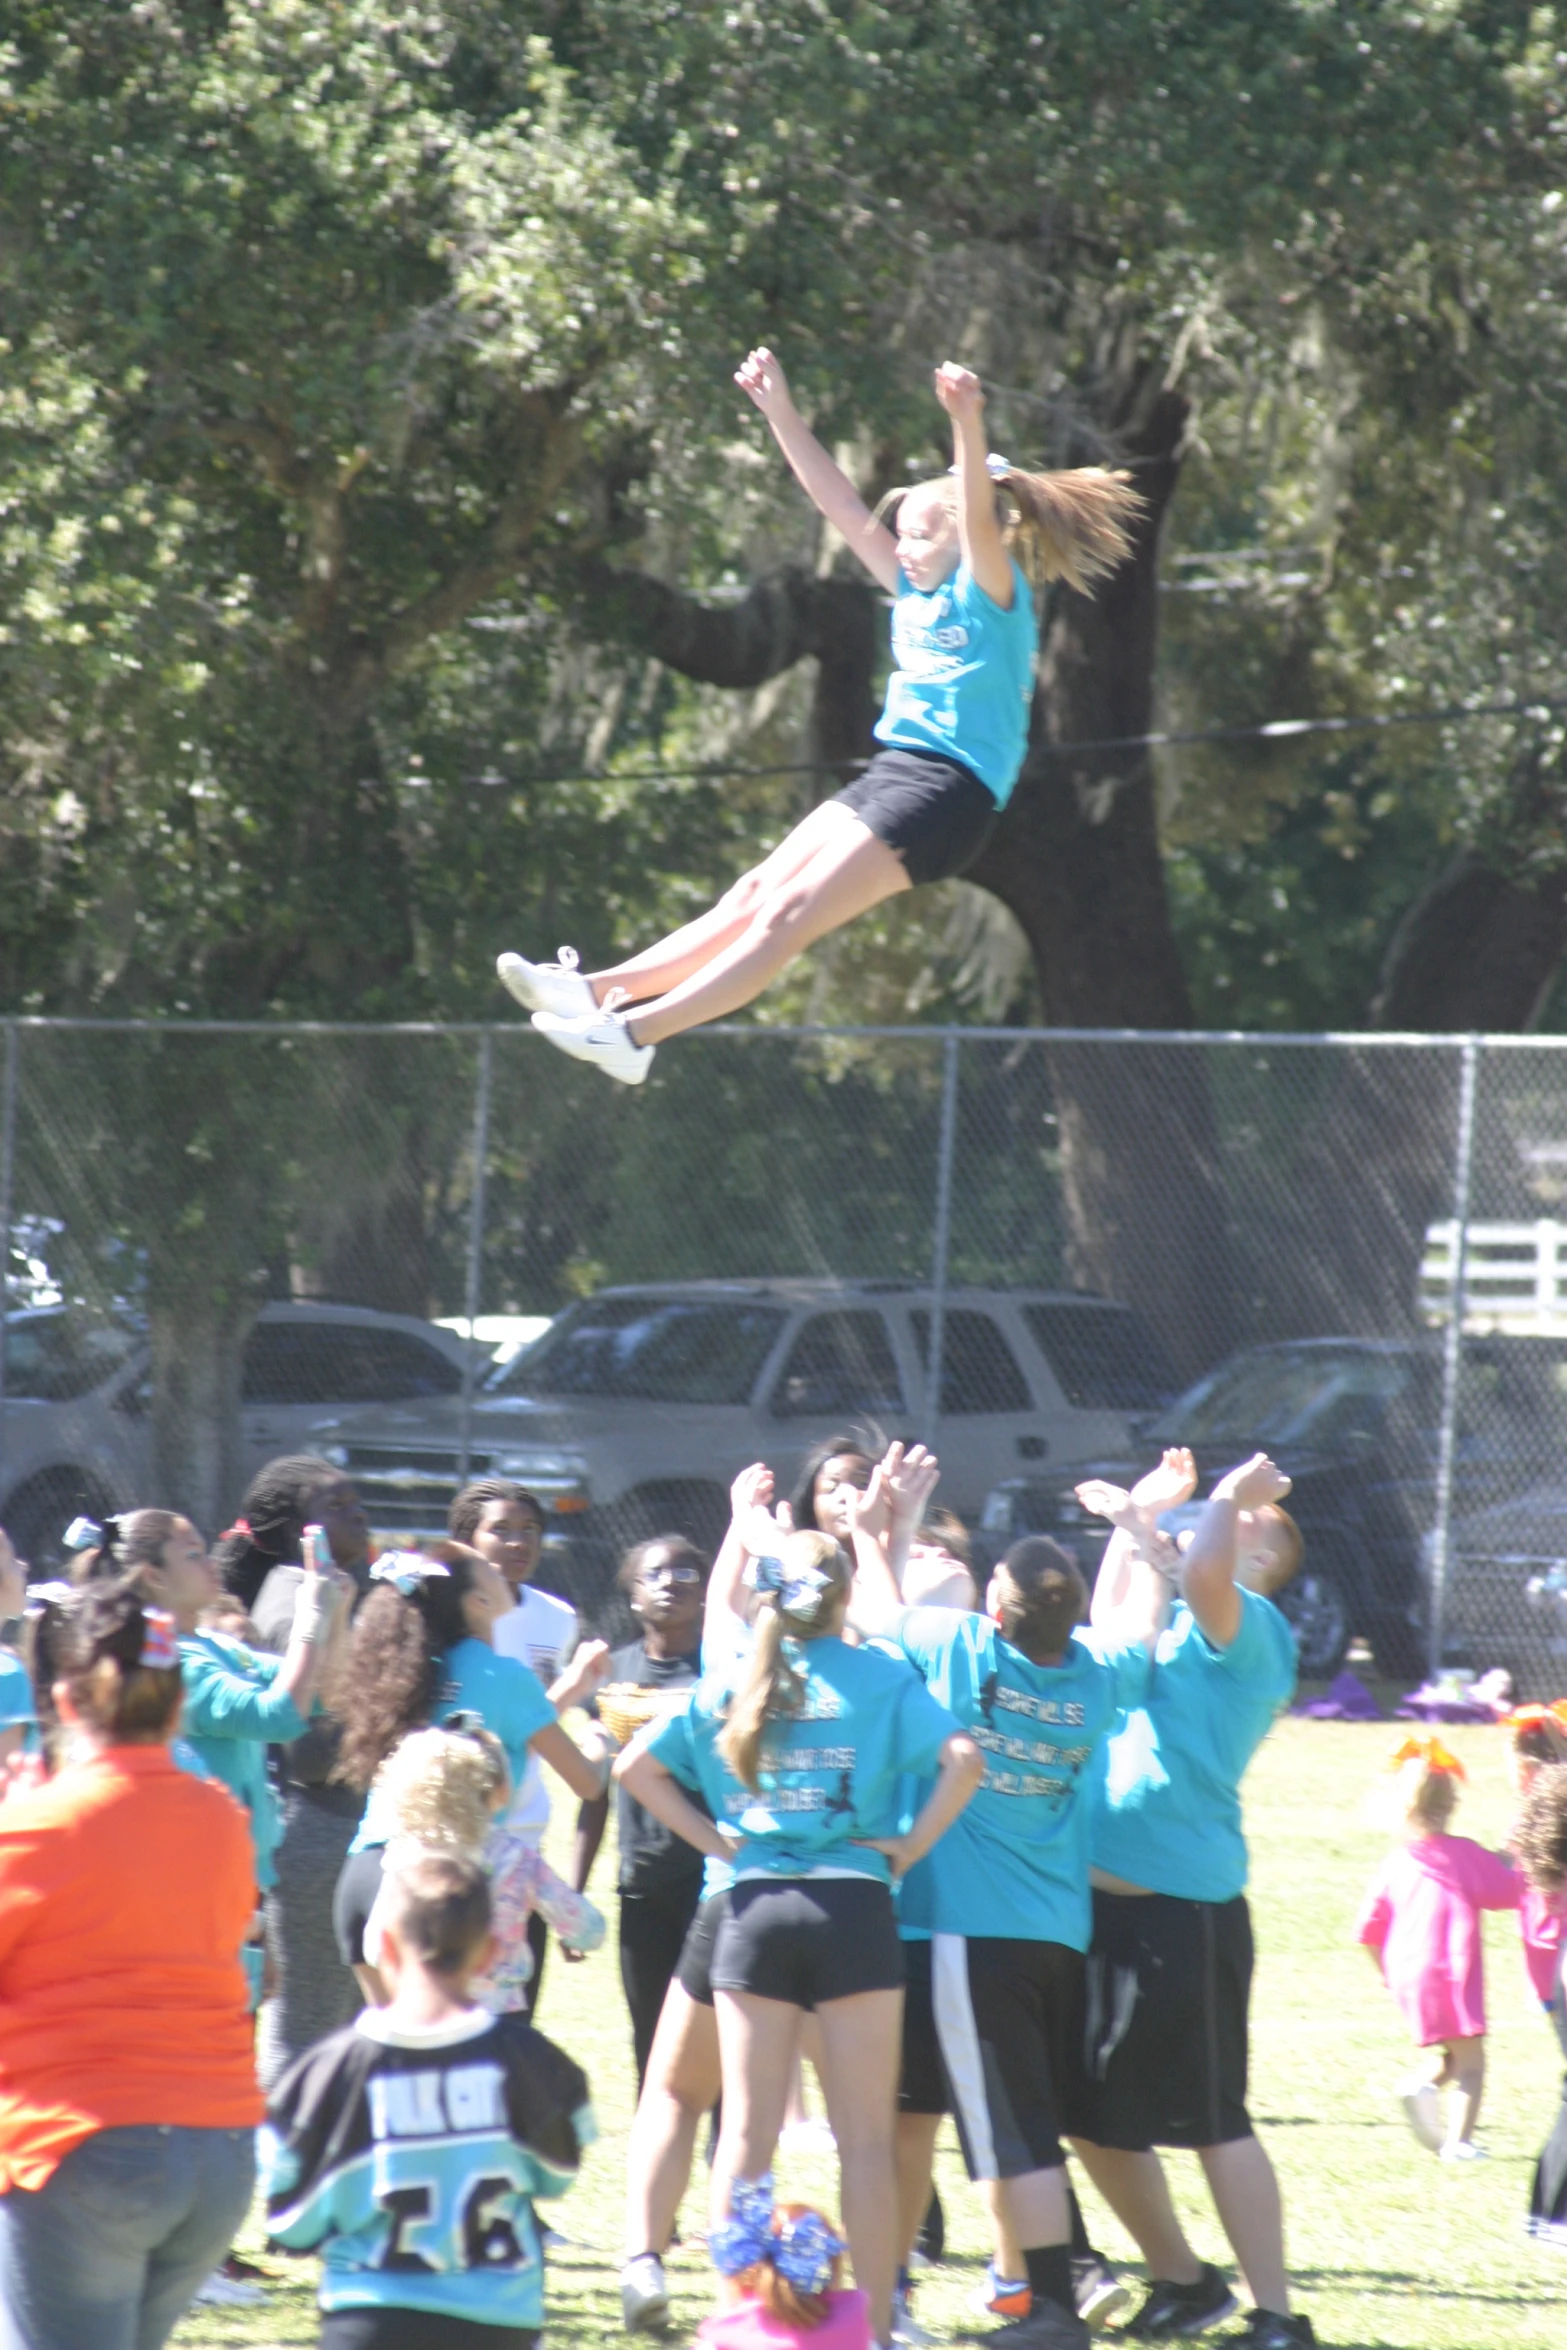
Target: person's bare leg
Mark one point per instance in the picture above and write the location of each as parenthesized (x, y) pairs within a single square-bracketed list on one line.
[(862, 2046), (1466, 2077), (1246, 2197), (682, 2085), (854, 872), (1009, 2252), (757, 2039), (914, 2147), (663, 966), (1135, 2187), (1037, 2208)]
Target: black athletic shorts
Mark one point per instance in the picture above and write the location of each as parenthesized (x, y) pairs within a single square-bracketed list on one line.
[(808, 1940), (1169, 1984), (358, 1883), (1009, 2016), (417, 2329), (694, 1970), (922, 2079), (934, 812)]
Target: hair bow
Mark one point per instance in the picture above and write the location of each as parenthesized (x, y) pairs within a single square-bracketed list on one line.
[(1432, 1753), (159, 1644), (240, 1526), (804, 2250), (42, 1595), (1538, 1717), (997, 467), (405, 1570), (746, 2236), (82, 1534), (797, 1590)]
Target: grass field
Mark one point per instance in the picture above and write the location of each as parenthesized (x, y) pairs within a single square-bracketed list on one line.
[(1391, 2249)]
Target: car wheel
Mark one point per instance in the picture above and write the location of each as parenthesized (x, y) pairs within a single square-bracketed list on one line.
[(1319, 1617), (38, 1513)]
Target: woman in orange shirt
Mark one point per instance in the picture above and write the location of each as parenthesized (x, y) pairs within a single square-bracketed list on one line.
[(127, 2085)]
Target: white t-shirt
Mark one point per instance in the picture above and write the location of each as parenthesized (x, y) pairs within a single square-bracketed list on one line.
[(540, 1631)]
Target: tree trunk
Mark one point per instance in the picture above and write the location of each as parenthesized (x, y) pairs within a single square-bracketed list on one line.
[(1477, 950), (198, 1454), (1076, 858)]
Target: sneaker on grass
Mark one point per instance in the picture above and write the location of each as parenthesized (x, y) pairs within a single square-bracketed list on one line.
[(644, 2295), (1047, 2327), (1003, 2296), (1098, 2291), (1422, 2106), (1174, 2313), (1270, 2329)]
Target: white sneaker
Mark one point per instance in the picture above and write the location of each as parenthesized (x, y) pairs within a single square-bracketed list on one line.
[(1463, 2150), (644, 2295), (221, 2292), (602, 1037), (548, 987), (1423, 2111)]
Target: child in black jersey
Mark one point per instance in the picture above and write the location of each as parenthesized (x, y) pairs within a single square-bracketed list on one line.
[(410, 2147)]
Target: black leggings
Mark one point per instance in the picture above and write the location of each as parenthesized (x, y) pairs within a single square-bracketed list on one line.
[(1548, 2203), (653, 1928)]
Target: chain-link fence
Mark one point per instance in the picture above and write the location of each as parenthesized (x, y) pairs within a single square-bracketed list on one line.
[(1036, 1249)]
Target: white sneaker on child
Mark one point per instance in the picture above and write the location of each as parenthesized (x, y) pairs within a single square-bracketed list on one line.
[(644, 2295), (1463, 2150), (221, 2292), (1423, 2111), (548, 987), (601, 1037)]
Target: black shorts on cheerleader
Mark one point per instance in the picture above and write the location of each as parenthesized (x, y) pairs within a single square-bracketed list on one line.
[(1009, 2016), (934, 812), (808, 1940), (1169, 1985), (922, 2077), (694, 1972), (358, 1883)]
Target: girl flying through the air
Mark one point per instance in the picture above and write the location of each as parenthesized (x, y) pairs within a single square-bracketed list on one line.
[(953, 732)]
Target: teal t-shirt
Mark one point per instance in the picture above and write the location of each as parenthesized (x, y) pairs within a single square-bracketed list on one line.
[(1015, 1862), (962, 680), (1166, 1808), (16, 1693), (232, 1714), (829, 1774), (509, 1700)]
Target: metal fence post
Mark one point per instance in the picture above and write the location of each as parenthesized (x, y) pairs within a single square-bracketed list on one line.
[(7, 1201), (941, 1239), (1453, 1344), (475, 1284)]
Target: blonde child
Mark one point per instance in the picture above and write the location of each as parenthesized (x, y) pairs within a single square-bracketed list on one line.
[(780, 2274), (446, 1791), (1421, 1921), (960, 562)]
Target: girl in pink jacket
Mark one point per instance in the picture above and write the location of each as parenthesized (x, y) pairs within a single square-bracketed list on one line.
[(1422, 1922)]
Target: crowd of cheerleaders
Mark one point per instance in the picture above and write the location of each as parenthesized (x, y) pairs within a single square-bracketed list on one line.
[(976, 1852)]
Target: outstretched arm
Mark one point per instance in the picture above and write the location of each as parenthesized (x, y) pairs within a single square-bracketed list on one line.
[(979, 533), (827, 486), (1123, 1593), (1208, 1572), (723, 1610)]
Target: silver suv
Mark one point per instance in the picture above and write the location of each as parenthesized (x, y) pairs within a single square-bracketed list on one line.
[(637, 1407), (74, 1432)]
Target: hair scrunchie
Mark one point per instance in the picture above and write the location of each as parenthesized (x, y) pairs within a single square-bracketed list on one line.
[(405, 1570), (797, 1590)]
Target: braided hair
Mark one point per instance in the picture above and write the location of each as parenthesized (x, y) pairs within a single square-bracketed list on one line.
[(272, 1515)]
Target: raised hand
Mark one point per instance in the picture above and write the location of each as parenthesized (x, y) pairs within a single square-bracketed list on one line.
[(960, 392), (1173, 1481), (871, 1511), (586, 1672), (911, 1477), (1101, 1499), (1254, 1484), (762, 379), (751, 1490)]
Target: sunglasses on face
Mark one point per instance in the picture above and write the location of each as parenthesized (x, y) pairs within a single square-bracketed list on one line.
[(682, 1576)]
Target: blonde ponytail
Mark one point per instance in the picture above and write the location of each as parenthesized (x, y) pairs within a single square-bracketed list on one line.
[(1075, 525), (801, 1596)]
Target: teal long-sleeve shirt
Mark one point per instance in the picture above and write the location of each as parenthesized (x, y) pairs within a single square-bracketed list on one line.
[(233, 1713)]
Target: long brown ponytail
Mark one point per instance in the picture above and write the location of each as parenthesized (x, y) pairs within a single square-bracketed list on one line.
[(1074, 525), (802, 1594)]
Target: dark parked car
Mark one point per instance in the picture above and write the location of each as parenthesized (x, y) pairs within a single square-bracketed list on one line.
[(1355, 1422)]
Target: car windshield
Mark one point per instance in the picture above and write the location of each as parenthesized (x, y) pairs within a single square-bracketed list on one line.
[(1283, 1395), (51, 1357), (668, 1350)]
